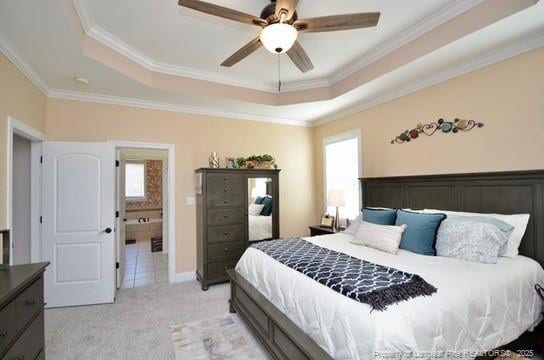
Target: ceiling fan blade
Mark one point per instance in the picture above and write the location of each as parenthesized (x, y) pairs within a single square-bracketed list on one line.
[(244, 52), (223, 12), (286, 5), (337, 22), (299, 57)]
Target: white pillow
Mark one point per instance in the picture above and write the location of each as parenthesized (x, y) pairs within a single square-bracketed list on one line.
[(382, 237), (255, 209), (518, 221), (353, 226)]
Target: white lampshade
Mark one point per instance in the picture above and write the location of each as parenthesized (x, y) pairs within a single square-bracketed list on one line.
[(278, 38), (336, 198)]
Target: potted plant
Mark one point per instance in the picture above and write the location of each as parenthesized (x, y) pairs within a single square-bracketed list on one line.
[(265, 161)]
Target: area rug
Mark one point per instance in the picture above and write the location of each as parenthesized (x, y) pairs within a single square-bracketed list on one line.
[(217, 338)]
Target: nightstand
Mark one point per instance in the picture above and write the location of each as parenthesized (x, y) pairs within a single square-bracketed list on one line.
[(316, 230)]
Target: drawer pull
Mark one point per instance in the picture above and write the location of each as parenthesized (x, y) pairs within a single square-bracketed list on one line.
[(31, 302), (225, 201), (3, 333), (226, 189), (225, 233), (226, 216), (226, 249), (225, 178)]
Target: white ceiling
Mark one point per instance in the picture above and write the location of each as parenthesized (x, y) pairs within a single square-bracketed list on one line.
[(168, 34), (38, 37)]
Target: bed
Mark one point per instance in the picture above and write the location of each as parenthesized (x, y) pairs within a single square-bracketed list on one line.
[(482, 308)]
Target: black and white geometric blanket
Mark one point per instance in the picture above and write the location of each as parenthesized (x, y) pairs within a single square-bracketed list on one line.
[(376, 285)]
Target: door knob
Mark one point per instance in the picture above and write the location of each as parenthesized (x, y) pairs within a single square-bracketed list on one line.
[(107, 231)]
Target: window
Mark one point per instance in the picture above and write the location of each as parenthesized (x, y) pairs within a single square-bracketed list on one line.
[(135, 181), (342, 157)]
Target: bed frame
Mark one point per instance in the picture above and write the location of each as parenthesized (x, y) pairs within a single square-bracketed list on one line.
[(500, 192)]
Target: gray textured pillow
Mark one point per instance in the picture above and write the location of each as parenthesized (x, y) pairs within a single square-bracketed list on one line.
[(469, 240), (353, 226)]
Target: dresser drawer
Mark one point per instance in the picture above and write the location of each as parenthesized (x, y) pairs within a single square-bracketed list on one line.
[(225, 180), (29, 302), (225, 251), (8, 325), (225, 199), (218, 269), (225, 233), (225, 216), (30, 344)]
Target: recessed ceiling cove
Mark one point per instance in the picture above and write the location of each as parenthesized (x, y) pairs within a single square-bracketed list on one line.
[(176, 48)]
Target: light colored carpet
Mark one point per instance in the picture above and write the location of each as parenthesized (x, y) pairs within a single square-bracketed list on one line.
[(136, 326), (220, 337)]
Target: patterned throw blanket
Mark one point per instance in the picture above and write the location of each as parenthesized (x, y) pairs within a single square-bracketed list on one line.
[(376, 285)]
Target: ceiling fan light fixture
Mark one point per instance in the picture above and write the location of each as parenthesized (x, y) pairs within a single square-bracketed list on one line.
[(278, 38)]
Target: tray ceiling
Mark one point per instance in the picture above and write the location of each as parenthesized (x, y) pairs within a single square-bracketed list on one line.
[(155, 54)]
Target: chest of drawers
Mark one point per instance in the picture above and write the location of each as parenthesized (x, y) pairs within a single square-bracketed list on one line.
[(222, 219), (21, 312)]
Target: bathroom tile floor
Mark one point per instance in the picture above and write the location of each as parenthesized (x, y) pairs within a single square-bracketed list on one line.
[(143, 267)]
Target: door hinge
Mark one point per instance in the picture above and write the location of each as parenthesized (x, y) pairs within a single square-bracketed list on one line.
[(117, 214), (117, 265), (41, 220), (117, 163)]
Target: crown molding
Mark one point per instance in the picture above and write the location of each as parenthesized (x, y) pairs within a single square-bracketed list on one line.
[(529, 43), (156, 105), (422, 27), (428, 23), (23, 67)]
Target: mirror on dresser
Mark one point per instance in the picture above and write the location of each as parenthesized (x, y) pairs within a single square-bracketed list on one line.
[(260, 203), (4, 248)]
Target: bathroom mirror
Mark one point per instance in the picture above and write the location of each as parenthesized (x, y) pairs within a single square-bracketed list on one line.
[(260, 208)]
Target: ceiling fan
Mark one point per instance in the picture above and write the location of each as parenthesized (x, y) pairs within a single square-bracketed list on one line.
[(281, 26)]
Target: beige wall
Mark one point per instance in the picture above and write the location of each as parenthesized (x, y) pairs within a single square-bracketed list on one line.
[(23, 101), (195, 137), (508, 97)]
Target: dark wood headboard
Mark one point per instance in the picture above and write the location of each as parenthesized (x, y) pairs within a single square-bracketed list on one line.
[(513, 192)]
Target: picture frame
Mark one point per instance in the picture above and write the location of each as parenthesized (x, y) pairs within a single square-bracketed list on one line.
[(230, 163), (327, 221)]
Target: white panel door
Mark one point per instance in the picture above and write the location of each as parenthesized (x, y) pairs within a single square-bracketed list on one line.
[(78, 222)]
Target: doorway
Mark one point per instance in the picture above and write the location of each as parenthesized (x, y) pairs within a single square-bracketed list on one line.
[(137, 261), (24, 147), (21, 200), (143, 235)]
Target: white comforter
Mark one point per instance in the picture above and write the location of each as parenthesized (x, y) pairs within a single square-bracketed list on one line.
[(477, 306)]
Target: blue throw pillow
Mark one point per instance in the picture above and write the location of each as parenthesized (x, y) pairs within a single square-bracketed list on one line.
[(380, 216), (420, 234), (259, 200), (267, 209)]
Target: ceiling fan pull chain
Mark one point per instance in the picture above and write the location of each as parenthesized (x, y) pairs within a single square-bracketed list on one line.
[(279, 72)]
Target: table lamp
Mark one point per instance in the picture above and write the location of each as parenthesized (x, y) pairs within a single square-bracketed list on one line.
[(336, 198)]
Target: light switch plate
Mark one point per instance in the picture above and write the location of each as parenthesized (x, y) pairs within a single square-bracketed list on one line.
[(190, 200)]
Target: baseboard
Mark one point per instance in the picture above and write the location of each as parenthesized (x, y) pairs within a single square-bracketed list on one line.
[(185, 276)]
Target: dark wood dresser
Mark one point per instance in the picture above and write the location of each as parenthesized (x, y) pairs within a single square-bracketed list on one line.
[(21, 312), (222, 218)]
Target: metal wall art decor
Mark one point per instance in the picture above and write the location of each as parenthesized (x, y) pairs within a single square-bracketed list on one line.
[(441, 125)]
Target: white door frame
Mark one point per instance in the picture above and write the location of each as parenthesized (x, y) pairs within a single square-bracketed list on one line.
[(171, 171), (16, 127)]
